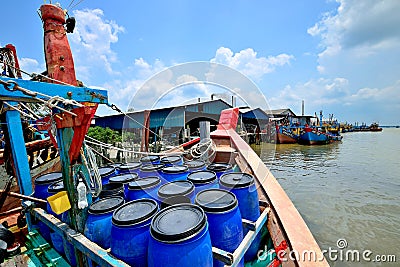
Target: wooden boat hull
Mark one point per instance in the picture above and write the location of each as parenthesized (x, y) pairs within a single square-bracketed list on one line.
[(285, 135), (285, 139), (42, 157)]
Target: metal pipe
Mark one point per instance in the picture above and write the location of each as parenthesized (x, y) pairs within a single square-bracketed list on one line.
[(16, 195)]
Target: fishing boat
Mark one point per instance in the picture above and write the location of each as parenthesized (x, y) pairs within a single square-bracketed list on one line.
[(374, 127), (324, 133), (314, 136), (285, 135), (287, 241)]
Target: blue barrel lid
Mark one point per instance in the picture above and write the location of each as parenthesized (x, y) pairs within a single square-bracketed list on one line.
[(104, 171), (49, 178), (216, 200), (151, 167), (169, 201), (105, 205), (219, 167), (236, 180), (130, 166), (175, 188), (123, 178), (56, 187), (135, 212), (170, 159), (178, 223), (195, 164), (115, 165), (202, 177), (149, 158), (175, 169), (143, 183), (111, 189)]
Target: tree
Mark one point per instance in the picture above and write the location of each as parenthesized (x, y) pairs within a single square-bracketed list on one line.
[(105, 135)]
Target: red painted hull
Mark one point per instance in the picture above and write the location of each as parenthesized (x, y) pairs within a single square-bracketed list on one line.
[(284, 139)]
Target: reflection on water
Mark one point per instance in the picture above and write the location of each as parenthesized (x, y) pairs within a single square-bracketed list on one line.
[(345, 190)]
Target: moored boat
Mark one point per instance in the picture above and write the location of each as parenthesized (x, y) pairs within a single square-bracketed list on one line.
[(374, 127), (314, 136), (285, 135)]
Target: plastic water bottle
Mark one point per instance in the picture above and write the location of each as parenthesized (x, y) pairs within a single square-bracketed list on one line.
[(82, 200)]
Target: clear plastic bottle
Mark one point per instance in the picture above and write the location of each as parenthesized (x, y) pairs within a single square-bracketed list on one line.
[(82, 199)]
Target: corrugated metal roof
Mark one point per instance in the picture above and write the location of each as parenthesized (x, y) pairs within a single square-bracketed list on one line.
[(167, 117)]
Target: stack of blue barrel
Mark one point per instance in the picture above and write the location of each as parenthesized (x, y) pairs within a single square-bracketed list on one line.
[(171, 212)]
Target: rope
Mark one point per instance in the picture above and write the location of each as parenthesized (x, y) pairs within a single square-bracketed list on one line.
[(35, 75), (114, 107), (101, 144), (20, 111), (70, 4), (52, 102), (95, 180), (76, 4)]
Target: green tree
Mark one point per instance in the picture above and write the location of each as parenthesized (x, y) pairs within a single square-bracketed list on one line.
[(105, 135)]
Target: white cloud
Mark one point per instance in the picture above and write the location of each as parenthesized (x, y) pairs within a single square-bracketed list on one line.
[(30, 65), (92, 39), (316, 94), (358, 29), (123, 91), (335, 96), (247, 62), (387, 95)]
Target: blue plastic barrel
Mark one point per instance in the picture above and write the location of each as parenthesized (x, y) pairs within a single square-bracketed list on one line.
[(41, 185), (176, 188), (105, 173), (174, 173), (203, 180), (150, 159), (169, 201), (112, 189), (56, 238), (68, 247), (195, 165), (224, 219), (130, 167), (98, 222), (143, 188), (115, 165), (124, 179), (180, 238), (171, 160), (150, 170), (243, 186), (130, 231), (220, 168)]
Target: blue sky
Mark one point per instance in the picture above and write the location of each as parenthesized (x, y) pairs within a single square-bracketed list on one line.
[(340, 56)]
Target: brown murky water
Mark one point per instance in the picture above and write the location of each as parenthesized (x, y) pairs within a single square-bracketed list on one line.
[(349, 190)]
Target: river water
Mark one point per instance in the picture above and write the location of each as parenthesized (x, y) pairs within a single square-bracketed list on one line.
[(348, 190)]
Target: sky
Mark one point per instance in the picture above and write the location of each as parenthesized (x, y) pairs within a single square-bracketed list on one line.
[(341, 57)]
